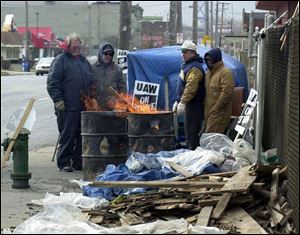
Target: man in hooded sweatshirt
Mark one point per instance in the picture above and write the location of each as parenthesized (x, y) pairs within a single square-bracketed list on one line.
[(107, 74), (69, 76), (191, 93), (219, 86)]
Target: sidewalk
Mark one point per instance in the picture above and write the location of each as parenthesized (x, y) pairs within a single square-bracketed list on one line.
[(11, 73), (45, 178)]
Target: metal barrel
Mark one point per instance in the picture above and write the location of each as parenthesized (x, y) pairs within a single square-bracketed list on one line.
[(151, 133), (104, 141)]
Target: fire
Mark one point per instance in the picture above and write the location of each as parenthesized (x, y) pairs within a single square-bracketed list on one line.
[(131, 104), (120, 102), (90, 103)]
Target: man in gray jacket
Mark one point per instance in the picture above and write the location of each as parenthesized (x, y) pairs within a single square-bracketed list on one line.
[(107, 74)]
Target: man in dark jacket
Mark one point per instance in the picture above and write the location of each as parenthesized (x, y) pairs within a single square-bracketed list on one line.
[(191, 93), (70, 75), (107, 73), (219, 89)]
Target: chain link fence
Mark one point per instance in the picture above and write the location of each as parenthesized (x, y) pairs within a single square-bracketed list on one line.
[(281, 107)]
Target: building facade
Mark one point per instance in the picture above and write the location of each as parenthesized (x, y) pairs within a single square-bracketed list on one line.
[(95, 21)]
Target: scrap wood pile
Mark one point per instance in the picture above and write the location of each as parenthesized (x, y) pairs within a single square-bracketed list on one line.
[(252, 200)]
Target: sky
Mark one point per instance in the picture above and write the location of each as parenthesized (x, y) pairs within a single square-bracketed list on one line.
[(161, 8)]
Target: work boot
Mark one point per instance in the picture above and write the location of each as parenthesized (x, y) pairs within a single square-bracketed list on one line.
[(66, 169)]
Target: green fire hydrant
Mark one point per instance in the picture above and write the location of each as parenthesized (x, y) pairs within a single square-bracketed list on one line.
[(20, 174)]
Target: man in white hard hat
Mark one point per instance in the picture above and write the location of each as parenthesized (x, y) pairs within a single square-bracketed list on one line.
[(191, 93)]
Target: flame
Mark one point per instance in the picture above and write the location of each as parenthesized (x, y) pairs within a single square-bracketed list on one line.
[(120, 102), (90, 103), (131, 104)]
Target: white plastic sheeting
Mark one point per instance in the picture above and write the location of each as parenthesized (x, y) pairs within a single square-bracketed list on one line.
[(196, 161), (61, 216), (75, 199)]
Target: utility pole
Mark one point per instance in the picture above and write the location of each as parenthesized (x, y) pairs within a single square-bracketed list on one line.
[(172, 22), (125, 25), (220, 41), (89, 30), (211, 22), (195, 22), (37, 31), (26, 31), (250, 36), (98, 24), (37, 28), (179, 17), (206, 18), (217, 26)]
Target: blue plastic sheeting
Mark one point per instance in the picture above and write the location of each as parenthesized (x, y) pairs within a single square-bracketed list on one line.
[(139, 162), (138, 167), (153, 65), (122, 173)]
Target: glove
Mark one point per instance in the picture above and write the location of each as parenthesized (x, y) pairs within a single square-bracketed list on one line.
[(60, 105), (175, 106), (180, 108)]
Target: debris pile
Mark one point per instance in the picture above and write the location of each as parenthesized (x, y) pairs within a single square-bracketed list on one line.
[(251, 200)]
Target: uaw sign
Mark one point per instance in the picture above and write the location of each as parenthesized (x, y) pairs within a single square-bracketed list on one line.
[(179, 38), (122, 58), (146, 93), (244, 118)]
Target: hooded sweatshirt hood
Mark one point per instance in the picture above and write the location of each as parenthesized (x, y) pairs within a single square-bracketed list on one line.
[(105, 48), (215, 54)]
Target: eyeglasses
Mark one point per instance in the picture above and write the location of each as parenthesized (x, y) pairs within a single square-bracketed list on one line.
[(106, 54)]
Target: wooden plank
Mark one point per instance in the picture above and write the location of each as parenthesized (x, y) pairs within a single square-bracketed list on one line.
[(240, 219), (179, 169), (221, 206), (240, 181), (286, 217), (130, 219), (209, 202), (169, 201), (274, 186), (98, 219), (204, 216), (17, 132), (157, 184), (276, 216), (236, 200), (184, 206)]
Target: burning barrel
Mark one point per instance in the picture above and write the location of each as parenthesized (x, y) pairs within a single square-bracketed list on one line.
[(104, 141), (151, 133)]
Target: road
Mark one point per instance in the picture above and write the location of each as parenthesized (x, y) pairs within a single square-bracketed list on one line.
[(15, 93)]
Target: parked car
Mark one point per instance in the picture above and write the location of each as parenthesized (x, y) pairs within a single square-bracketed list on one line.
[(43, 65)]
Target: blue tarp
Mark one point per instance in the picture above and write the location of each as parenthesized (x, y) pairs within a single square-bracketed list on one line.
[(153, 65), (138, 167), (122, 173)]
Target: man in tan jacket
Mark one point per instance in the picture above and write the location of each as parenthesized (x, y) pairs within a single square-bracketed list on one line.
[(219, 86)]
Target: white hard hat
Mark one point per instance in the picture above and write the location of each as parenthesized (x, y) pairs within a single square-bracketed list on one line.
[(188, 45)]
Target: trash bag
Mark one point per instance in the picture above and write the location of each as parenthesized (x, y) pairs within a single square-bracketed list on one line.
[(242, 149), (217, 142)]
